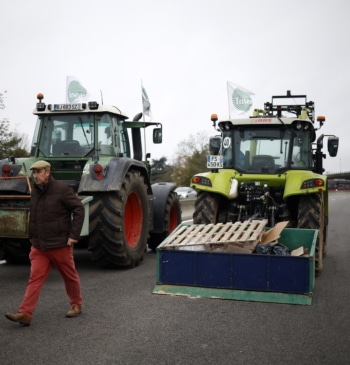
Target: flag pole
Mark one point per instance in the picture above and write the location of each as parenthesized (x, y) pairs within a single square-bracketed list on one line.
[(144, 122), (144, 135)]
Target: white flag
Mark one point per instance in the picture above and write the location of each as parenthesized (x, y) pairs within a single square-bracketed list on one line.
[(240, 102), (146, 105), (75, 91)]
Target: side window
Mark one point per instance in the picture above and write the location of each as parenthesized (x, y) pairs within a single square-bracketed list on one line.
[(46, 137), (105, 141), (116, 137), (301, 156), (227, 151), (121, 139), (112, 140), (124, 143)]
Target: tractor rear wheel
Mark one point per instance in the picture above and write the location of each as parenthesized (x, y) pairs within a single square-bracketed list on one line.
[(172, 218), (311, 216), (209, 208), (119, 224)]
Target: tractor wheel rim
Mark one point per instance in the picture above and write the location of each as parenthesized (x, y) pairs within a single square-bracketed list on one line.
[(133, 220), (173, 219)]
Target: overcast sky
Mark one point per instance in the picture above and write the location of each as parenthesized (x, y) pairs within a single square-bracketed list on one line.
[(184, 51)]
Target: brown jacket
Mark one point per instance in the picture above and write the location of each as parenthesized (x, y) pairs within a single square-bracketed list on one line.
[(56, 214)]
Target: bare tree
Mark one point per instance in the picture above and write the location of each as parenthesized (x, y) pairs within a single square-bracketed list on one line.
[(160, 170), (24, 143), (10, 143), (2, 99), (191, 158)]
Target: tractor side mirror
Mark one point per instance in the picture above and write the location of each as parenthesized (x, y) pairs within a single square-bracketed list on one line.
[(215, 145), (157, 135), (333, 143)]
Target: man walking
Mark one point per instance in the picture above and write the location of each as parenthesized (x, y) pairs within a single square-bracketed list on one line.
[(56, 219)]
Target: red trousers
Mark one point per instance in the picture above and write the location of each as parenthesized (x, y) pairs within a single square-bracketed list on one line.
[(41, 265)]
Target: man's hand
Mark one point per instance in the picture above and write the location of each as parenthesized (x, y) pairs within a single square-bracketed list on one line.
[(71, 242)]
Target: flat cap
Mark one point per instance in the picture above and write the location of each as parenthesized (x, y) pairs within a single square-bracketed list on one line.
[(40, 165)]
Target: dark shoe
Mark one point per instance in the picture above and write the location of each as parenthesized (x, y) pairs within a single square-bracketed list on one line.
[(74, 311), (21, 318)]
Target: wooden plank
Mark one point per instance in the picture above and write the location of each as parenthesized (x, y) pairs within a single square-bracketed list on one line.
[(242, 233), (231, 231), (255, 230), (189, 234), (175, 237), (216, 234), (201, 234), (239, 233)]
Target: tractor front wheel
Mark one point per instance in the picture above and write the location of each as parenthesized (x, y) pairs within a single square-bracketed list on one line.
[(209, 208)]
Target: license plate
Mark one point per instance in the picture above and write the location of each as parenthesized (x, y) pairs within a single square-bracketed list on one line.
[(65, 107), (215, 162)]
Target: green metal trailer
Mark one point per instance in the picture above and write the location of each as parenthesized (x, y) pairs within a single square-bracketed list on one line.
[(240, 276)]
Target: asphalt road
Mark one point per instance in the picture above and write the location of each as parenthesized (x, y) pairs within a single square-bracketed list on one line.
[(124, 323)]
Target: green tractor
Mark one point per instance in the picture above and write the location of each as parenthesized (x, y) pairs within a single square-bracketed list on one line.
[(89, 148), (268, 166)]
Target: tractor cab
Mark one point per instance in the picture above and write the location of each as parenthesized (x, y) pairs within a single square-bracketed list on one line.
[(86, 130), (271, 142)]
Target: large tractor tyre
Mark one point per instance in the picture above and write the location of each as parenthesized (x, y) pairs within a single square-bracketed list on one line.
[(15, 251), (209, 208), (172, 218), (119, 224), (311, 216)]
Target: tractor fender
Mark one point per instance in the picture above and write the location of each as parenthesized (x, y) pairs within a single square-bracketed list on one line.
[(295, 180), (115, 170), (161, 192)]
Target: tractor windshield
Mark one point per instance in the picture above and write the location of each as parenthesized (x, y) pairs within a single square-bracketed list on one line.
[(67, 135), (266, 150), (81, 135)]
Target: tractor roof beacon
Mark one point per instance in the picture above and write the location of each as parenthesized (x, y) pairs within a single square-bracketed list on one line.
[(268, 166), (89, 147)]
